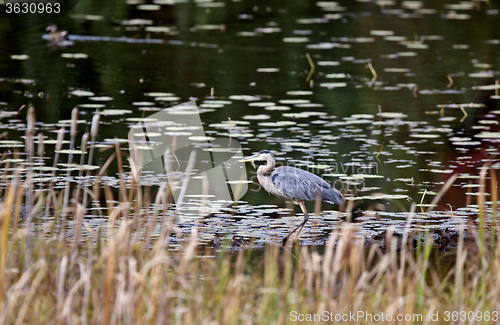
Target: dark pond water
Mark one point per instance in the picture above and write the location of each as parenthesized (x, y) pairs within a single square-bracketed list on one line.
[(432, 110)]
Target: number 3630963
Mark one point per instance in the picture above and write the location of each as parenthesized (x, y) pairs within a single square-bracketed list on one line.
[(32, 8), (470, 316)]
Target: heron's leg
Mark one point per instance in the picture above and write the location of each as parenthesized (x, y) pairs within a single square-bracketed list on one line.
[(306, 217)]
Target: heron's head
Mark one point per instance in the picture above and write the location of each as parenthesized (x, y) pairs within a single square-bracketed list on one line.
[(262, 155)]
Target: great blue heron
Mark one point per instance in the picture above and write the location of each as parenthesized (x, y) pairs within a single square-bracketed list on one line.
[(293, 184)]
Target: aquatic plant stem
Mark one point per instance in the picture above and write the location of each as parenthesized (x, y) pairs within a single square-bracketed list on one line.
[(313, 67), (67, 186), (59, 143), (30, 151), (83, 148), (374, 73), (93, 133)]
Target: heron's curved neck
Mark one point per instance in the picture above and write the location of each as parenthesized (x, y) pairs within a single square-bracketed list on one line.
[(262, 173), (267, 168)]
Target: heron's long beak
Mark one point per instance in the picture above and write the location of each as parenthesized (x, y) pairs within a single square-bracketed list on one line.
[(251, 158)]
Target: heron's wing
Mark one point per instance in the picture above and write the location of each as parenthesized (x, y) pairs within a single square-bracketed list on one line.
[(272, 189), (302, 185)]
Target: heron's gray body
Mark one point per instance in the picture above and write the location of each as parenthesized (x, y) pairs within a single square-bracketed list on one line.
[(298, 185)]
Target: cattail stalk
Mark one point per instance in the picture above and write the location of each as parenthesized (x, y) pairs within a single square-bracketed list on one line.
[(67, 186), (85, 139), (41, 152), (93, 134), (59, 144), (187, 175), (30, 151)]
